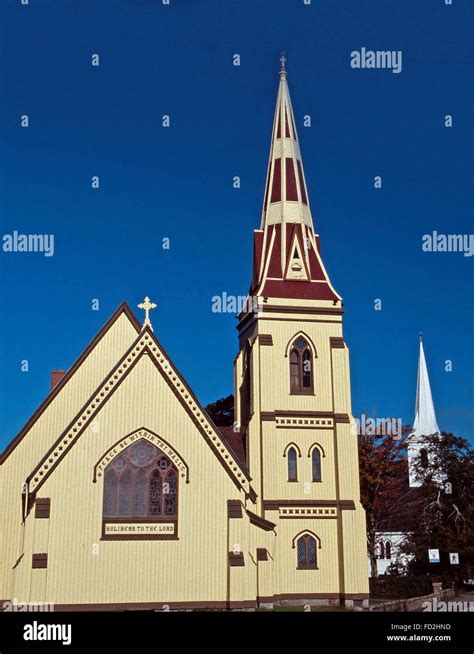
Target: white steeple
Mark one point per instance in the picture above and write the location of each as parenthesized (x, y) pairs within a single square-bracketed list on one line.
[(425, 418)]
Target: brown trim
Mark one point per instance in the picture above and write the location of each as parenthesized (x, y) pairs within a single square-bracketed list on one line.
[(337, 342), (42, 507), (252, 495), (39, 560), (153, 606), (267, 415), (258, 521), (271, 505), (304, 414), (299, 596), (236, 559), (123, 308), (342, 418), (234, 509), (262, 554), (331, 322), (289, 309), (265, 339), (347, 505)]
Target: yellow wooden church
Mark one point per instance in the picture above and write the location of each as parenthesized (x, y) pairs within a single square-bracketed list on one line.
[(120, 492)]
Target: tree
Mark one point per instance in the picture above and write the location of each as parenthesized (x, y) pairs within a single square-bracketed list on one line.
[(222, 411), (385, 493), (445, 518)]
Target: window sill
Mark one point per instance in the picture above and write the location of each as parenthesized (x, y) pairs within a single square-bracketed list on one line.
[(303, 393)]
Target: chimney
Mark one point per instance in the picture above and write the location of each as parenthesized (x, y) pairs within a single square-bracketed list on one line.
[(56, 376)]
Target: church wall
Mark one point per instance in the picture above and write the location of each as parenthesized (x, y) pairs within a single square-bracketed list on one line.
[(287, 579), (42, 434), (275, 466), (84, 569), (277, 394)]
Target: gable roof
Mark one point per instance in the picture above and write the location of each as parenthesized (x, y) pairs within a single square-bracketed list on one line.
[(145, 344), (123, 309)]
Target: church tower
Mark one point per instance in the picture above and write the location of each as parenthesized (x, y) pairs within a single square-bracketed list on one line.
[(292, 390), (425, 422)]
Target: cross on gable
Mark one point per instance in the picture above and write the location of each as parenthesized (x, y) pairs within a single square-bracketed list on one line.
[(147, 306)]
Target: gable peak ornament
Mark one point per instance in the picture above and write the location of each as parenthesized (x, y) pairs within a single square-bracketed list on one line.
[(147, 305)]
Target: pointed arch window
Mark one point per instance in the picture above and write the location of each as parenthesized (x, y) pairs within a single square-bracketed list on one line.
[(316, 464), (292, 465), (306, 548), (301, 367), (140, 484), (381, 550), (423, 458)]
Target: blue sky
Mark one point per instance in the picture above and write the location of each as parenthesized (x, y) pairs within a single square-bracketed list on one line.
[(176, 182)]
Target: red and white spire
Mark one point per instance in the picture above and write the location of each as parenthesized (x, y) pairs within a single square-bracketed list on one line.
[(287, 261)]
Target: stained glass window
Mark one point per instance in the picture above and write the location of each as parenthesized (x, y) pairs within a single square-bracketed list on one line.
[(141, 493), (301, 367), (125, 493), (294, 371), (292, 471), (110, 493), (306, 550), (170, 487), (141, 482), (155, 494), (316, 461)]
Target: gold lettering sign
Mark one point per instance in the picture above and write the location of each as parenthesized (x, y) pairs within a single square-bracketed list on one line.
[(137, 528), (132, 438)]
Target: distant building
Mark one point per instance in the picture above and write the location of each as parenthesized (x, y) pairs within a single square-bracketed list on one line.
[(425, 424)]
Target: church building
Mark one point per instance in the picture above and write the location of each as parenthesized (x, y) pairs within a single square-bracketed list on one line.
[(120, 492)]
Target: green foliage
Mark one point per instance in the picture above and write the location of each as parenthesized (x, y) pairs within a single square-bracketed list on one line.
[(222, 411), (444, 509)]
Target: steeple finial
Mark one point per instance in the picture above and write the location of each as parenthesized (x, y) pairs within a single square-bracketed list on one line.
[(421, 337), (283, 63), (147, 305)]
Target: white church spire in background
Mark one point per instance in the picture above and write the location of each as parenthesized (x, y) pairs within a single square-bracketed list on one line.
[(425, 419)]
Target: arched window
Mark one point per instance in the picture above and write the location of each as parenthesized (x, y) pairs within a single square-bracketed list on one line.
[(292, 466), (388, 550), (381, 550), (423, 458), (301, 367), (140, 482), (316, 464), (306, 550)]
